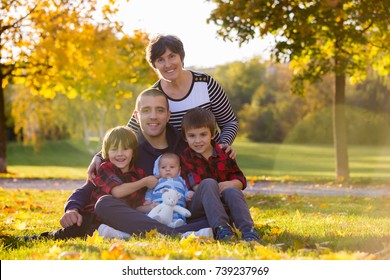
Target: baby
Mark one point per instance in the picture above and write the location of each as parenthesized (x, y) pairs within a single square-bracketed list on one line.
[(167, 168)]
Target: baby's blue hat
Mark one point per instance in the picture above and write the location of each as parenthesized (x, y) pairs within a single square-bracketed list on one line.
[(155, 168)]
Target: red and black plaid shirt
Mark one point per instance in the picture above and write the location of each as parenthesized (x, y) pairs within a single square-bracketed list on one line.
[(110, 176), (219, 166)]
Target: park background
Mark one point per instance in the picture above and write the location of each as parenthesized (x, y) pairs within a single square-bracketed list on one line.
[(70, 71)]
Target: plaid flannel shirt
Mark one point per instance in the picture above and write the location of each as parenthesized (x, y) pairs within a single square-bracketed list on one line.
[(110, 176), (219, 166)]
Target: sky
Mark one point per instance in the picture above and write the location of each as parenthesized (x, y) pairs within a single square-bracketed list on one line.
[(187, 20)]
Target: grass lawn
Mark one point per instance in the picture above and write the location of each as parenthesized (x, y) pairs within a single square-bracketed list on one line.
[(368, 164), (261, 161), (291, 227)]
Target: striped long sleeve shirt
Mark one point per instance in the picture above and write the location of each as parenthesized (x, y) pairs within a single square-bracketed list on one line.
[(205, 92)]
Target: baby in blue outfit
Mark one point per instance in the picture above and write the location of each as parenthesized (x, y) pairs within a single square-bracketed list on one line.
[(167, 166)]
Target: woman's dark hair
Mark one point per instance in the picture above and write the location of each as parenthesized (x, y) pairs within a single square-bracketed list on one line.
[(158, 46)]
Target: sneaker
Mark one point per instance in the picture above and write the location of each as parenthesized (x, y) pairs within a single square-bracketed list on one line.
[(204, 232), (109, 232), (29, 238), (250, 234), (223, 233)]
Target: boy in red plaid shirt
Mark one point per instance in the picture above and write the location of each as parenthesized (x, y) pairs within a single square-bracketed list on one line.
[(119, 148), (206, 165), (117, 175)]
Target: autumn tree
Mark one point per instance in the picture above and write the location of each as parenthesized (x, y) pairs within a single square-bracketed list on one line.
[(94, 66), (23, 26), (240, 79), (316, 37)]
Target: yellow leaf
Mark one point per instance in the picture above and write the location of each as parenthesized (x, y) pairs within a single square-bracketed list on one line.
[(18, 225), (298, 244), (265, 253), (116, 252), (368, 208), (4, 83), (69, 256), (151, 234), (276, 231), (95, 238), (55, 250), (190, 245)]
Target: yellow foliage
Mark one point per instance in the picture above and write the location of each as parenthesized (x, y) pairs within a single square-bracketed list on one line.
[(264, 253), (69, 256), (191, 246), (95, 238), (151, 234), (342, 255), (368, 208), (19, 225), (116, 252), (4, 83)]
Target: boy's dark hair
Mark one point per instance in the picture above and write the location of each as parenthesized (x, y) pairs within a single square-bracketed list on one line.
[(150, 92), (158, 46), (198, 118), (120, 134)]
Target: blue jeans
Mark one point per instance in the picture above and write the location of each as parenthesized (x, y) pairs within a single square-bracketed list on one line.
[(116, 213), (220, 208)]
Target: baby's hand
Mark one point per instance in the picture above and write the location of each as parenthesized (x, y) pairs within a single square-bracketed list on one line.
[(186, 213), (189, 195)]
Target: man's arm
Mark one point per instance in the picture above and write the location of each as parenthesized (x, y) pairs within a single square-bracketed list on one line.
[(80, 197), (74, 204)]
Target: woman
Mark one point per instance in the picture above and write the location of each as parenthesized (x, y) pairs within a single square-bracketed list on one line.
[(187, 89)]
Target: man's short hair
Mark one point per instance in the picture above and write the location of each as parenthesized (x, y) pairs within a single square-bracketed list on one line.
[(155, 92)]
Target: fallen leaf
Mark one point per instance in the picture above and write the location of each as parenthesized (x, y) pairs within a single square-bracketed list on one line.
[(95, 238), (151, 234), (69, 256)]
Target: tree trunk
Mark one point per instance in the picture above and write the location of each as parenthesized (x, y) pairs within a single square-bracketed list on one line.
[(340, 129), (3, 136), (86, 134), (102, 126)]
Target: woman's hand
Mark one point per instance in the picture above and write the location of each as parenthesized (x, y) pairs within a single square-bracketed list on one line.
[(228, 150)]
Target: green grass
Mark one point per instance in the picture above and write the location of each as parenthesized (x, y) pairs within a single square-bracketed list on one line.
[(59, 159), (263, 161), (316, 163), (291, 227)]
